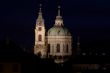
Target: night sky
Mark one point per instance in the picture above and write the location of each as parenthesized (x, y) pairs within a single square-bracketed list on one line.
[(88, 18)]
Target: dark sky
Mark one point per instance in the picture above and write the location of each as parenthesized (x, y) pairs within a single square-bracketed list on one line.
[(89, 18)]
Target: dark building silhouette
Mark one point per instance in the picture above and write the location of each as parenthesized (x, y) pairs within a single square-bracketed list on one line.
[(14, 60)]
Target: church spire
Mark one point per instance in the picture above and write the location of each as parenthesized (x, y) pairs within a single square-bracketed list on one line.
[(58, 10), (59, 20), (40, 20), (40, 17), (59, 13), (39, 47)]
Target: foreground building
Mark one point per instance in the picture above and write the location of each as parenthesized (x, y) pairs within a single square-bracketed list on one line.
[(13, 59), (56, 43)]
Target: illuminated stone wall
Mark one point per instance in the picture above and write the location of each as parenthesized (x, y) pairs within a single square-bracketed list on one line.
[(64, 50), (39, 47)]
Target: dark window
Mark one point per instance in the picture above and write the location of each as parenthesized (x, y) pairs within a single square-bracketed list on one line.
[(40, 28), (67, 48), (1, 67), (39, 54), (15, 67), (40, 23), (58, 47), (58, 31), (48, 48), (40, 37)]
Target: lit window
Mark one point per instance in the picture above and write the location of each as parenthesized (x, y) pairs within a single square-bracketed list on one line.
[(104, 68), (58, 48), (40, 37), (15, 68), (84, 54), (96, 54), (103, 54), (39, 29)]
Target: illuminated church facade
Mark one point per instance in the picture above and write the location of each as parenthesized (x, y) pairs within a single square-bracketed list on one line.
[(56, 43)]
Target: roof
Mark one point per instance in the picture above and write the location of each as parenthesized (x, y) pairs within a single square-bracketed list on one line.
[(58, 31)]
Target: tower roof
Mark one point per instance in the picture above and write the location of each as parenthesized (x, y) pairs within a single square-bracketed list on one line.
[(40, 17), (40, 20), (58, 29), (59, 16)]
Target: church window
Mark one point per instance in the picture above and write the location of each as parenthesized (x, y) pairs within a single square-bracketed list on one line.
[(67, 48), (48, 48), (39, 29), (52, 50), (40, 37), (58, 48)]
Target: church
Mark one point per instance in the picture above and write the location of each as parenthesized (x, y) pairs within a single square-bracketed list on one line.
[(56, 43)]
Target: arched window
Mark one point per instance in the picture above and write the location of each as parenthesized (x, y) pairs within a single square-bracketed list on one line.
[(58, 47), (40, 28), (67, 48), (40, 37), (48, 48)]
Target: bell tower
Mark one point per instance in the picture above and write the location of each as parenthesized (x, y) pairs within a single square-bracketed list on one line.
[(39, 47)]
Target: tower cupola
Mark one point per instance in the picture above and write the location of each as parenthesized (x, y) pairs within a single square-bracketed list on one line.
[(59, 20)]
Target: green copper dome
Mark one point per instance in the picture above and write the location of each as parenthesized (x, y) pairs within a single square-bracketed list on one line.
[(58, 31)]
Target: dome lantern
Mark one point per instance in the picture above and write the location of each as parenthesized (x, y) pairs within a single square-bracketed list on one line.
[(59, 20)]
